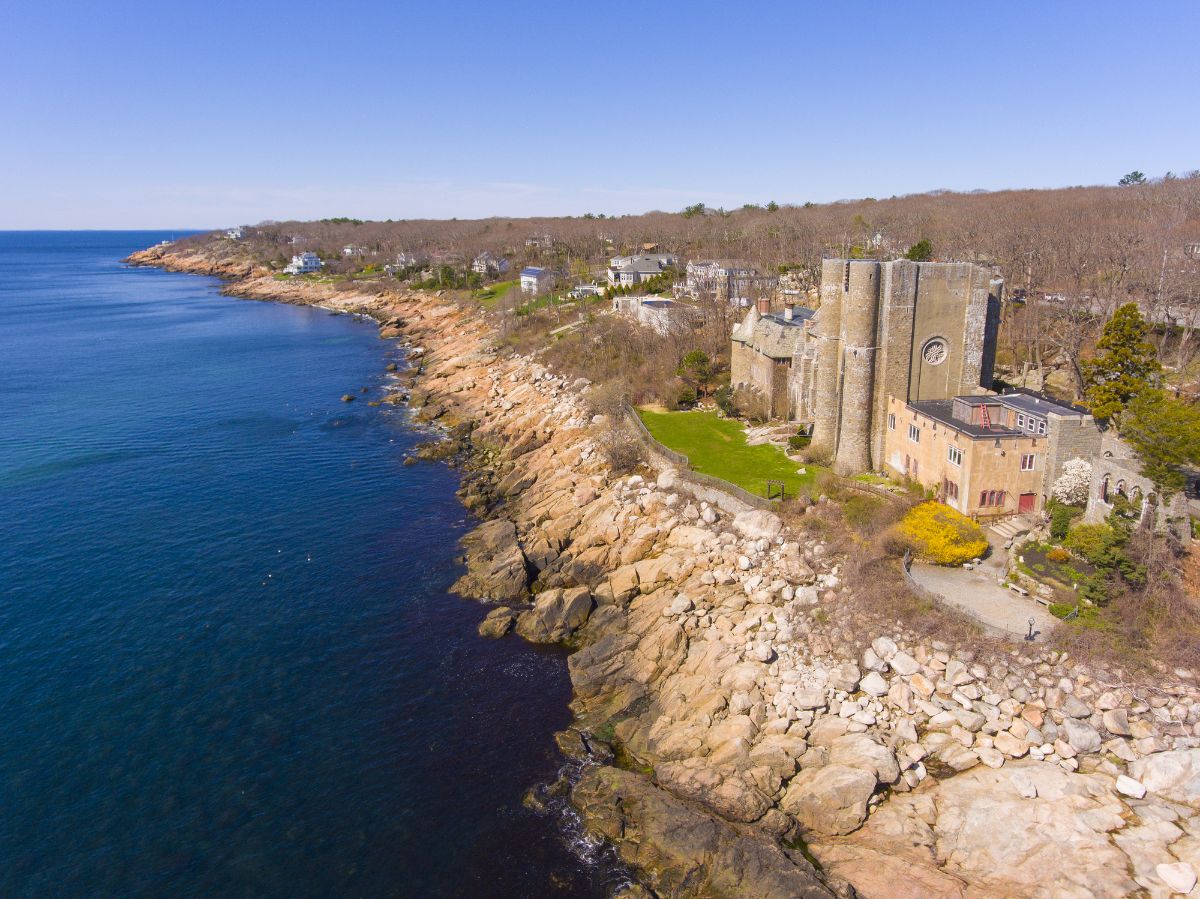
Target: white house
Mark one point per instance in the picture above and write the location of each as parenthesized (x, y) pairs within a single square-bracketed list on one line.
[(536, 280), (487, 264), (586, 290), (236, 233), (353, 250), (540, 242), (625, 271), (304, 264), (663, 316), (727, 280)]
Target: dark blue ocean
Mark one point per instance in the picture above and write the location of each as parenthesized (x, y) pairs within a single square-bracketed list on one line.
[(229, 664)]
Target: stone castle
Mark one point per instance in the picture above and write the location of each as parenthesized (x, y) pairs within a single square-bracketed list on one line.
[(912, 330)]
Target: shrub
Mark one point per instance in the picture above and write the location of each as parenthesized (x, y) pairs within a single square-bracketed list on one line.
[(939, 534), (724, 400), (1060, 520), (1093, 542), (686, 398), (620, 447), (799, 441), (1058, 554), (1074, 483)]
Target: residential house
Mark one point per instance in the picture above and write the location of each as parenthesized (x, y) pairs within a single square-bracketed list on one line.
[(627, 271), (764, 345), (738, 283), (304, 264), (236, 233), (354, 250), (661, 315), (989, 455), (536, 280), (586, 290), (539, 242), (487, 264), (405, 259)]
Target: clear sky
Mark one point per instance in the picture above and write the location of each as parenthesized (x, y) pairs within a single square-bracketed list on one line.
[(127, 115)]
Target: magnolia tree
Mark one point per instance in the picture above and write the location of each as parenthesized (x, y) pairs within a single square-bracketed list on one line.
[(1073, 484)]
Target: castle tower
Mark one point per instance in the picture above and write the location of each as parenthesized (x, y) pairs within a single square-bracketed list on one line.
[(859, 320), (828, 334)]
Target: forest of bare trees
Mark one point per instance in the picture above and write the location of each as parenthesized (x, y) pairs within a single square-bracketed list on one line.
[(1068, 256)]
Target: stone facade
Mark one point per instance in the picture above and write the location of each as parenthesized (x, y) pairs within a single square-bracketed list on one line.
[(764, 347), (1118, 473), (915, 330)]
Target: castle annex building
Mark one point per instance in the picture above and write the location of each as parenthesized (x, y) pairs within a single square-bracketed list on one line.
[(917, 331)]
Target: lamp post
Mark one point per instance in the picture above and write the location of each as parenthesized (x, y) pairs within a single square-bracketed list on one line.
[(1029, 636)]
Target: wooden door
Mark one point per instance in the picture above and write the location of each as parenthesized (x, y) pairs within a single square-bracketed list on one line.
[(1026, 502)]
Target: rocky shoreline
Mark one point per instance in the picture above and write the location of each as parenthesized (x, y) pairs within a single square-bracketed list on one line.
[(745, 735)]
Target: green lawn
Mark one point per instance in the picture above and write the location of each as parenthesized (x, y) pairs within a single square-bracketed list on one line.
[(492, 294), (717, 446)]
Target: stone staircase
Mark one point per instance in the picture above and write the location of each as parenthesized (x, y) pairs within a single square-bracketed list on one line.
[(1010, 529)]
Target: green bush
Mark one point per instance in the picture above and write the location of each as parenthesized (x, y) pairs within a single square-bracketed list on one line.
[(1093, 542), (724, 400), (799, 441), (686, 398), (1061, 517)]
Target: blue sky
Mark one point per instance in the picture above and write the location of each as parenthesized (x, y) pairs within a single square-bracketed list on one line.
[(124, 115)]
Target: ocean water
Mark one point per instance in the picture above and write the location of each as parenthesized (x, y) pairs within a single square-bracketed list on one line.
[(229, 664)]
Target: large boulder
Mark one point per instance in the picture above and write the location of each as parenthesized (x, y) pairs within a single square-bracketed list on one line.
[(680, 851), (1026, 829), (1174, 775), (756, 523), (556, 614), (860, 751), (830, 800), (496, 567)]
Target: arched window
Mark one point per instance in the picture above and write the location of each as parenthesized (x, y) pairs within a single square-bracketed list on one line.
[(1121, 488), (1104, 489)]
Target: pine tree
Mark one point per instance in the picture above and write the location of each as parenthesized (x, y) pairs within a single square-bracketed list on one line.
[(1165, 433), (1127, 364)]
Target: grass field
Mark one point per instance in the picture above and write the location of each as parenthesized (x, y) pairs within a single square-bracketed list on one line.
[(492, 294), (717, 446)]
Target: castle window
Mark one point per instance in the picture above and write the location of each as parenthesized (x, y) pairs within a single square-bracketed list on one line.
[(1020, 420), (950, 489), (954, 454), (1027, 461), (891, 421), (1041, 427), (847, 277), (914, 433)]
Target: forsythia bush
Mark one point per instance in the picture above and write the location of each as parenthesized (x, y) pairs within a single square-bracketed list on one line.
[(939, 534)]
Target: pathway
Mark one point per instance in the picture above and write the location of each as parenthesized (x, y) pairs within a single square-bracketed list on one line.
[(976, 593)]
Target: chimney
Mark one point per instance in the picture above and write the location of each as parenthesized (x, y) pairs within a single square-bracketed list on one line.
[(787, 313), (764, 305)]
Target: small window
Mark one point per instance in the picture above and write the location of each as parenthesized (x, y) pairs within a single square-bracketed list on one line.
[(1020, 419), (950, 489), (1041, 427), (1027, 461), (954, 454), (914, 433), (983, 498), (891, 421)]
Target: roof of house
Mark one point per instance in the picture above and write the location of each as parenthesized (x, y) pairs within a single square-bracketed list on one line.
[(773, 335), (942, 411), (532, 271), (1039, 404)]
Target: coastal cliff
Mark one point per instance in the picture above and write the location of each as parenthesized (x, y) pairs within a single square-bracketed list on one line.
[(737, 721)]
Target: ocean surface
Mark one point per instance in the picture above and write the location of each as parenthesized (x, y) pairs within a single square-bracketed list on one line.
[(229, 663)]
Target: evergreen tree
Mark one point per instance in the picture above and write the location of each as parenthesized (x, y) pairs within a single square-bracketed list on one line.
[(1134, 177), (921, 251), (1127, 364), (695, 369), (1165, 433)]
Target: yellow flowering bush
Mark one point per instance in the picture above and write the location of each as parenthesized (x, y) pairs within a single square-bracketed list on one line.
[(939, 534)]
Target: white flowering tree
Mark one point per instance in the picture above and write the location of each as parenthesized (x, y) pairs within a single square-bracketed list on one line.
[(1073, 484)]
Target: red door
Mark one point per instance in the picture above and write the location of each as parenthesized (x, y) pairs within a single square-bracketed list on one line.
[(1026, 502)]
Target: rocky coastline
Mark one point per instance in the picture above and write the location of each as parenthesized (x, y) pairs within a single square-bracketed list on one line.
[(743, 734)]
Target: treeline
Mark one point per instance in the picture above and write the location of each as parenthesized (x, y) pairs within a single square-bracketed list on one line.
[(1069, 257)]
